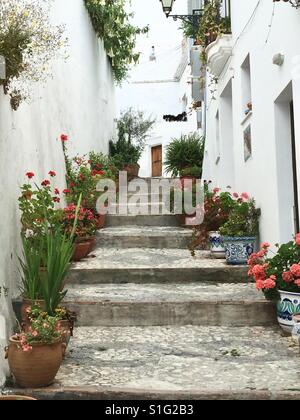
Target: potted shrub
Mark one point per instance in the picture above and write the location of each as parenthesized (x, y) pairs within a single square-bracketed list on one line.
[(34, 357), (278, 277), (85, 239), (184, 156), (241, 230), (133, 132), (217, 206)]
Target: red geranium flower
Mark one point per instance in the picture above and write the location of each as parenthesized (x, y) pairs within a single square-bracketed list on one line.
[(52, 174), (66, 191), (56, 191), (30, 175), (46, 183), (56, 199), (64, 137)]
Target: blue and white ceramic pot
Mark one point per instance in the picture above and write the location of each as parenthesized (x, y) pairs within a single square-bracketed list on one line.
[(217, 248), (287, 307), (238, 250)]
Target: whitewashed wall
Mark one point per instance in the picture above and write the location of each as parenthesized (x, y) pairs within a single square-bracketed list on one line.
[(79, 101), (267, 174)]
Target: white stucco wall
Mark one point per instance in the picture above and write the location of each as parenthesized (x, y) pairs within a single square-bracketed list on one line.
[(79, 101), (267, 174)]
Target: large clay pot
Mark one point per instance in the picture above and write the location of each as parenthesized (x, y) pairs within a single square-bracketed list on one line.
[(81, 249), (27, 304), (36, 368), (93, 243)]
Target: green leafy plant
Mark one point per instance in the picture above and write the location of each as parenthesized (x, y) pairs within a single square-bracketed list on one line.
[(194, 172), (243, 219), (280, 272), (184, 153), (133, 132), (29, 42), (43, 330), (30, 264), (112, 24)]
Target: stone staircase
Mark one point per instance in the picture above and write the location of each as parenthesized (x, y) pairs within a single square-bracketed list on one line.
[(156, 323)]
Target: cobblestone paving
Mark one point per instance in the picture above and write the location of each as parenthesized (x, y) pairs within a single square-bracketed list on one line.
[(150, 258), (164, 292), (182, 358)]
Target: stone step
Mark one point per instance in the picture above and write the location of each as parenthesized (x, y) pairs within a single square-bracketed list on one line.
[(176, 363), (177, 304), (141, 220), (144, 237), (146, 265)]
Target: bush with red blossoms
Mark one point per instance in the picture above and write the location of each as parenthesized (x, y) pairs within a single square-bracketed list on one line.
[(281, 272), (38, 204), (86, 225)]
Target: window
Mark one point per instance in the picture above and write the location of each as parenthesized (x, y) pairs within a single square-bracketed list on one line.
[(218, 146), (246, 87)]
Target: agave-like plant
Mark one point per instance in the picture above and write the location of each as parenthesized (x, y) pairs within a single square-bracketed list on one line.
[(30, 264)]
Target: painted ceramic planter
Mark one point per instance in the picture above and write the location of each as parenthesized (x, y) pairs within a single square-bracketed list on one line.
[(238, 250), (217, 248), (287, 307)]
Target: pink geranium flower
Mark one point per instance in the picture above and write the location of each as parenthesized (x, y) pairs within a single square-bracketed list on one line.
[(295, 270), (297, 239)]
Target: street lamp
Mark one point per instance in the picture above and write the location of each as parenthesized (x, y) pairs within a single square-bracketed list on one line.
[(167, 6), (194, 19)]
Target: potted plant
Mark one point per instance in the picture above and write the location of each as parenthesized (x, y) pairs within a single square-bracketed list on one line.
[(35, 356), (133, 132), (278, 277), (241, 230), (85, 239), (217, 206), (184, 156)]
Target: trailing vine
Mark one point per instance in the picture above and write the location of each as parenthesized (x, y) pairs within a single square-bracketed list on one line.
[(112, 24)]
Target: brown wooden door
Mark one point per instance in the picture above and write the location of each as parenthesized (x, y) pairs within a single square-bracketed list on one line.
[(157, 161)]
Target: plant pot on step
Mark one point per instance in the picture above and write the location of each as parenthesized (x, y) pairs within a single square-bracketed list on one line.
[(132, 170), (217, 247), (288, 308), (238, 249), (65, 327), (82, 249), (93, 243), (100, 221), (36, 368)]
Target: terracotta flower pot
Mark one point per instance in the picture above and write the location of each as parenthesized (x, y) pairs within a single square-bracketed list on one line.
[(93, 243), (132, 170), (36, 368), (27, 304), (66, 329), (100, 221), (81, 250), (15, 398)]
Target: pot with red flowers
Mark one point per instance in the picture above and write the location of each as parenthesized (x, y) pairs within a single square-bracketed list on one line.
[(278, 277), (85, 231)]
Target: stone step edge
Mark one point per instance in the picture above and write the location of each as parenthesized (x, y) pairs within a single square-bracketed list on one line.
[(119, 394)]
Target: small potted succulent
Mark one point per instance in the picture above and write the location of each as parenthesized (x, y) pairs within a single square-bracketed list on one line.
[(241, 230), (34, 357), (278, 277)]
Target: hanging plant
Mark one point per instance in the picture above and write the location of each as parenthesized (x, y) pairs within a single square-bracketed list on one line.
[(112, 24), (294, 3), (28, 42)]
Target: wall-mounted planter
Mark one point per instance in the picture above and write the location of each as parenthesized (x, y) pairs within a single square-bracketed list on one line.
[(218, 53)]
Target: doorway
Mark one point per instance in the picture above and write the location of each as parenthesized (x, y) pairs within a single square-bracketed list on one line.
[(156, 153), (287, 179)]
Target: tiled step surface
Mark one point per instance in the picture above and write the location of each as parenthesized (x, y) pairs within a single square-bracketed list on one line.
[(175, 304), (177, 363), (144, 265), (144, 237)]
